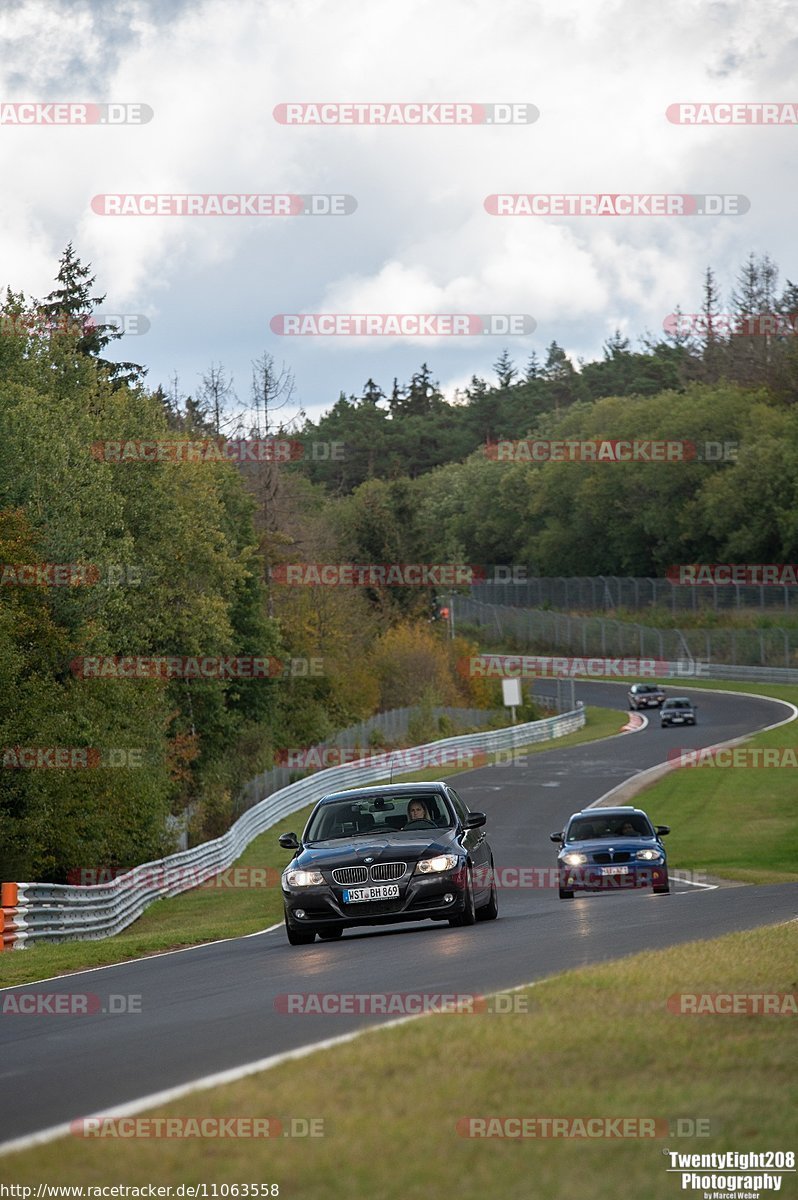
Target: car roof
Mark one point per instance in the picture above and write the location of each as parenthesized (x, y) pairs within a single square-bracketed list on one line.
[(620, 811), (678, 700), (390, 789)]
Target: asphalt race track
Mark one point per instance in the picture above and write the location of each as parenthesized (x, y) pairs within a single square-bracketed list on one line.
[(211, 1008)]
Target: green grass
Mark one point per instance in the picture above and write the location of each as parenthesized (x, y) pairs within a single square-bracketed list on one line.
[(598, 1042), (211, 912), (736, 822)]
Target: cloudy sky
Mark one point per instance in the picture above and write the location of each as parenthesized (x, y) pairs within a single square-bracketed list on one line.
[(601, 73)]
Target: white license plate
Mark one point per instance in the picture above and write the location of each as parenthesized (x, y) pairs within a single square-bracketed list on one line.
[(383, 891), (614, 870), (677, 720)]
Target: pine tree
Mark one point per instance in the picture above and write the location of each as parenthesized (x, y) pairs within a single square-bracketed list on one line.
[(68, 309), (533, 368), (505, 369)]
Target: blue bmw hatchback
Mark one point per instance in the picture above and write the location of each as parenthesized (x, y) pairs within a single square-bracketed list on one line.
[(603, 849)]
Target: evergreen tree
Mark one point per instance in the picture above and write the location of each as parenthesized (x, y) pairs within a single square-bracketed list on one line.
[(67, 311)]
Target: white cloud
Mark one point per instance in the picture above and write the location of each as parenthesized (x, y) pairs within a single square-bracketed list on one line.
[(601, 74)]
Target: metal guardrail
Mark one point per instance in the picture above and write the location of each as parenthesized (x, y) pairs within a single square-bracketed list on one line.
[(54, 912)]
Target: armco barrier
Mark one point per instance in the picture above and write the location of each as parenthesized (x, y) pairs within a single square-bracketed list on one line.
[(52, 912)]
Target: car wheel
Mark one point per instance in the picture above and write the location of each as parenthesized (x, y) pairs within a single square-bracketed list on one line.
[(662, 890), (330, 935), (299, 937), (490, 911), (566, 894), (469, 914)]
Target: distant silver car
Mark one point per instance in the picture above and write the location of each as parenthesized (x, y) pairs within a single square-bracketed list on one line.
[(645, 695), (677, 710)]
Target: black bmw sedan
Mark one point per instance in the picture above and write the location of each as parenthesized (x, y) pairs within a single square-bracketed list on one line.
[(381, 855)]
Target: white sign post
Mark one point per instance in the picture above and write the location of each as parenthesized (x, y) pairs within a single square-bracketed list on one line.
[(511, 694)]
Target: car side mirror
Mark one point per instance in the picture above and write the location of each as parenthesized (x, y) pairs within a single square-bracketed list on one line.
[(289, 841), (475, 819), (555, 837), (662, 830)]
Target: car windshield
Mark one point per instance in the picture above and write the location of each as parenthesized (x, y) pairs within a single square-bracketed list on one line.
[(634, 825), (374, 815), (678, 703)]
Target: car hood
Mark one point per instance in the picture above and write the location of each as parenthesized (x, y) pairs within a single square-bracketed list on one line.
[(606, 843), (348, 852)]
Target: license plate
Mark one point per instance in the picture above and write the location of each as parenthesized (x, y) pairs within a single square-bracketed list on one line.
[(383, 891), (614, 870), (677, 720)]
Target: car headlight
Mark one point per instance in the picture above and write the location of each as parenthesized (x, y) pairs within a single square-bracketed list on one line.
[(574, 860), (303, 878), (648, 855), (431, 866)]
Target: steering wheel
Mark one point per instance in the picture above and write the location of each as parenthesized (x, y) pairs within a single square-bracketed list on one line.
[(421, 823)]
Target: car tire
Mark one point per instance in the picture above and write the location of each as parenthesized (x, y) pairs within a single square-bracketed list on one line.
[(331, 935), (299, 937), (490, 911), (566, 894), (662, 890), (469, 914)]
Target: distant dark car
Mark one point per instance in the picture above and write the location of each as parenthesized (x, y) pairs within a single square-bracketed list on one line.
[(677, 710), (366, 858), (604, 849), (645, 695)]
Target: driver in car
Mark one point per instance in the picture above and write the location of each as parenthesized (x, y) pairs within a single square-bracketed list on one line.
[(417, 811)]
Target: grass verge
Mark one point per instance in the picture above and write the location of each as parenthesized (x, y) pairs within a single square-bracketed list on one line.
[(598, 1042), (215, 911), (733, 821)]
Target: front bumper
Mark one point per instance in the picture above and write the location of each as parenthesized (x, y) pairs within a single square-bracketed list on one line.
[(421, 898), (592, 877)]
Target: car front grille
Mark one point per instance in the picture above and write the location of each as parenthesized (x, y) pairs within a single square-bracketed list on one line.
[(379, 873), (385, 872), (349, 875), (618, 856)]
